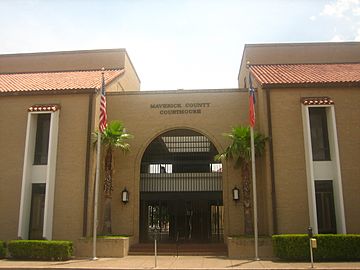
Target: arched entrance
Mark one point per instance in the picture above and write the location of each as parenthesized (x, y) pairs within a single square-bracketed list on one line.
[(181, 189)]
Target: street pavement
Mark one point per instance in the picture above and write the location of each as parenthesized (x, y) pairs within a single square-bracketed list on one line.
[(171, 262)]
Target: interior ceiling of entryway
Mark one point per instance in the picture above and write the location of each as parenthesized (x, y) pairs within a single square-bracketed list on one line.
[(183, 144), (181, 150)]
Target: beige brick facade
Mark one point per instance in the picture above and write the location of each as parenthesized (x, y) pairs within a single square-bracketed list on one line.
[(281, 173)]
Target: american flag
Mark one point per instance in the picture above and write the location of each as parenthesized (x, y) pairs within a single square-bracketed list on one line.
[(103, 117), (251, 103)]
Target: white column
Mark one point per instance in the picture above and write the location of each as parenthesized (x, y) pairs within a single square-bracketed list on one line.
[(38, 174), (324, 170), (309, 169), (25, 201), (50, 176), (337, 184)]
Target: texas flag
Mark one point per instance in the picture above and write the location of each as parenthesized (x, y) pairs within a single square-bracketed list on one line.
[(251, 103)]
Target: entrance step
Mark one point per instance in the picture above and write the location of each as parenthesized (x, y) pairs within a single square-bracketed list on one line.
[(218, 249)]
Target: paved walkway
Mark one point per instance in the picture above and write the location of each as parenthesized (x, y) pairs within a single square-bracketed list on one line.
[(171, 262)]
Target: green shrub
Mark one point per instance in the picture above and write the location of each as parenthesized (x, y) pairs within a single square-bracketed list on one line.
[(40, 250), (337, 247), (2, 249), (330, 247), (291, 246)]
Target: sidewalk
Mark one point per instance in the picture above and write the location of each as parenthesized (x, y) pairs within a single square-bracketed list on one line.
[(171, 262)]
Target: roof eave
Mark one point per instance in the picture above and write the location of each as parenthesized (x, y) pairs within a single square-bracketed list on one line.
[(50, 92), (309, 85)]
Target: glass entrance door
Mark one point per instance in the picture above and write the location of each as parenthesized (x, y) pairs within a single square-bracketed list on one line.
[(157, 220)]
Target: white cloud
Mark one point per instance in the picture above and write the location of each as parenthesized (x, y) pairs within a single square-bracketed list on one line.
[(341, 8), (336, 38), (312, 18), (345, 14), (356, 11)]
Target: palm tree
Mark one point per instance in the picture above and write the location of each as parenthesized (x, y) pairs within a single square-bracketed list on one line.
[(240, 151), (114, 136)]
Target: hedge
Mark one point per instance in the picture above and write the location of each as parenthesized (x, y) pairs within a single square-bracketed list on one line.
[(40, 250), (330, 247), (2, 249)]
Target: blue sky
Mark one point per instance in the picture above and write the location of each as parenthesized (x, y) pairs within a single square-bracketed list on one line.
[(175, 44)]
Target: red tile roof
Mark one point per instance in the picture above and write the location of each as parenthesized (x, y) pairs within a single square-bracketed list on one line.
[(50, 81), (306, 74)]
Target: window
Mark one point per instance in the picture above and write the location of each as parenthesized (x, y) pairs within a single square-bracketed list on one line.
[(215, 167), (37, 211), (160, 168), (325, 195), (319, 134), (325, 206), (42, 139)]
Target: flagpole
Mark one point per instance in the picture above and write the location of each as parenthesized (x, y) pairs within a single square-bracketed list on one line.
[(253, 168), (96, 194), (254, 193), (102, 124)]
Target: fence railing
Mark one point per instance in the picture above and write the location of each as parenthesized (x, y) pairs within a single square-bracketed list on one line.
[(171, 182)]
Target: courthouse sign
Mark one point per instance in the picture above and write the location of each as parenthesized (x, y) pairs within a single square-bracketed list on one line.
[(180, 108)]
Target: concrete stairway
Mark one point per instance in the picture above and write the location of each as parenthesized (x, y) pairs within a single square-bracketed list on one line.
[(211, 249)]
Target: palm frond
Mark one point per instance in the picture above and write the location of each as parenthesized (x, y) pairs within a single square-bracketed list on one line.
[(115, 135), (240, 147)]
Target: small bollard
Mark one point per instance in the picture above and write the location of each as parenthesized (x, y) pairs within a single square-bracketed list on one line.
[(155, 254), (155, 246)]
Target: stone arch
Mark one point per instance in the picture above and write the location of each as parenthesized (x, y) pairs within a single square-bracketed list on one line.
[(180, 187)]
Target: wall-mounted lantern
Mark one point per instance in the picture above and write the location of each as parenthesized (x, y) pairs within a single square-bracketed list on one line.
[(236, 194), (125, 196)]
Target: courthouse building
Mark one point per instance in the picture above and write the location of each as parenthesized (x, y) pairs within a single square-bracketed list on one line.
[(307, 104)]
